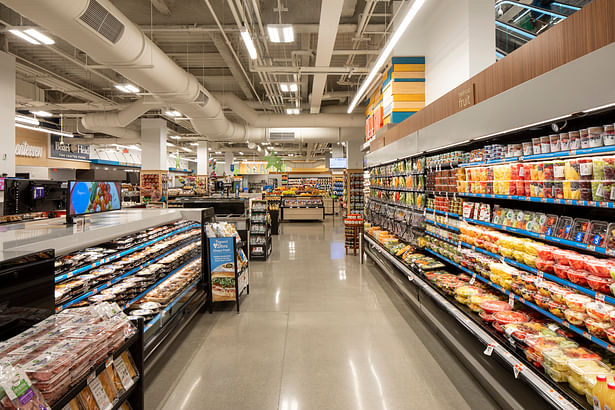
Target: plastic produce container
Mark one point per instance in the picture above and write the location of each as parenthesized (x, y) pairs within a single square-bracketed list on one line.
[(597, 328), (577, 302)]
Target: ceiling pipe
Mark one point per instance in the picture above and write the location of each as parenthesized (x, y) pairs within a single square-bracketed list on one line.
[(122, 118), (256, 119), (132, 54)]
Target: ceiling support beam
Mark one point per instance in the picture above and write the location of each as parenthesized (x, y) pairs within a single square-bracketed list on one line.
[(330, 13), (308, 70), (232, 64)]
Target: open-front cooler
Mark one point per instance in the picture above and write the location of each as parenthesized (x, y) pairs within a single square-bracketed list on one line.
[(510, 255)]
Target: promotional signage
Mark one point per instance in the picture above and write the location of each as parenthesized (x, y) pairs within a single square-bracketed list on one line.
[(222, 264), (26, 150), (65, 148), (253, 168)]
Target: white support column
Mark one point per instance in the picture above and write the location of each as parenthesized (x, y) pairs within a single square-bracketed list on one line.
[(202, 158), (7, 114), (354, 154), (228, 161), (154, 144)]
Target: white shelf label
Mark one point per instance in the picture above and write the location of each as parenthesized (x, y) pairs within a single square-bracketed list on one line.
[(489, 349), (122, 372), (98, 391)]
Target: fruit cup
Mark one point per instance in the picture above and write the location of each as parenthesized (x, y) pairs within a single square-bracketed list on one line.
[(575, 318), (577, 261), (577, 276), (561, 256), (557, 308), (600, 267), (599, 311), (545, 265), (596, 327), (577, 302), (599, 284), (561, 271)]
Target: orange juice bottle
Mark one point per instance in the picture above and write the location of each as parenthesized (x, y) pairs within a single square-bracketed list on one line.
[(609, 397), (599, 391)]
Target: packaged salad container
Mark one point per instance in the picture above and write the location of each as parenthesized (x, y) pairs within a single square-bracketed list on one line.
[(596, 327), (577, 302), (574, 317)]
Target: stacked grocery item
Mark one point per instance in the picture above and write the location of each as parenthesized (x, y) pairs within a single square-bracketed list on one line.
[(442, 181), (446, 159), (403, 88), (578, 230), (61, 350), (452, 205), (587, 179)]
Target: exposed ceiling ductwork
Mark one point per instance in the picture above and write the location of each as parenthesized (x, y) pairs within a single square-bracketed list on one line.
[(113, 41)]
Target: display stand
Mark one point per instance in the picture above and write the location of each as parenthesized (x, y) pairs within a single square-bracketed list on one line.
[(353, 191), (302, 208), (154, 185), (226, 280), (353, 230), (328, 204), (260, 231)]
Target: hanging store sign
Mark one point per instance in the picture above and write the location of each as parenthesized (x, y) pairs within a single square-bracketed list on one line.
[(26, 150), (65, 148)]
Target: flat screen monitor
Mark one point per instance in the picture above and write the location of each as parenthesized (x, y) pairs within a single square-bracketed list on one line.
[(337, 163), (93, 197)]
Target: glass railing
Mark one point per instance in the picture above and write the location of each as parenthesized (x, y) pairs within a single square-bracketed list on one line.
[(516, 23)]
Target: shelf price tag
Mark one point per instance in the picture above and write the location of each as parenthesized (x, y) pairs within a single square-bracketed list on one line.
[(100, 396), (473, 279), (122, 371), (517, 370), (600, 297), (511, 299), (489, 349)]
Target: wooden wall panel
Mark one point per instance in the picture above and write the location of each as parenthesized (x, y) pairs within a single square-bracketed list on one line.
[(585, 31)]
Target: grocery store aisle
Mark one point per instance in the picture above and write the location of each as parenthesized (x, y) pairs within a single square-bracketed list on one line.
[(318, 331)]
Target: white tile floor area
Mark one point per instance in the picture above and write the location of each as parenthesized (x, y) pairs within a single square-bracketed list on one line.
[(318, 331)]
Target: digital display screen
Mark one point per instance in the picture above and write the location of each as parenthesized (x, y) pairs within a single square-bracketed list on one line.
[(338, 162), (1, 184), (93, 197), (38, 192)]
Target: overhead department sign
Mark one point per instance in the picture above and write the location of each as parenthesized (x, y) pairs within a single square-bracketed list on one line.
[(66, 148)]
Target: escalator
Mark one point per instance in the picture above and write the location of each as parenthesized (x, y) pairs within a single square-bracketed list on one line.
[(518, 22)]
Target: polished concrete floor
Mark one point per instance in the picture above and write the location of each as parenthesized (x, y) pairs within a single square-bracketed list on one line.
[(318, 331)]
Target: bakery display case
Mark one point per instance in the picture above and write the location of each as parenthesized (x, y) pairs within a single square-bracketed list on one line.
[(302, 208)]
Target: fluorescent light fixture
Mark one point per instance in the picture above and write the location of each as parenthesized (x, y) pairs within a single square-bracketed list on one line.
[(247, 40), (196, 144), (258, 148), (26, 120), (173, 113), (24, 36), (388, 48), (186, 149), (55, 132), (281, 33), (39, 36), (218, 152), (175, 137), (288, 87), (127, 88), (293, 111), (240, 153), (43, 114), (291, 155), (170, 145)]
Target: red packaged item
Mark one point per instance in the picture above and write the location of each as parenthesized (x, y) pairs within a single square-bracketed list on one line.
[(597, 328), (561, 271), (487, 317), (610, 334), (577, 276), (507, 317), (577, 261), (561, 256), (545, 252), (601, 267), (492, 306), (544, 265), (599, 284)]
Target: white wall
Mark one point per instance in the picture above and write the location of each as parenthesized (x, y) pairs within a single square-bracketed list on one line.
[(7, 114), (457, 38), (35, 172)]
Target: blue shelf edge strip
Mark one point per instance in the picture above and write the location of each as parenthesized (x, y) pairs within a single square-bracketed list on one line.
[(450, 228), (556, 319), (565, 242), (146, 291), (118, 255), (456, 216), (609, 149), (575, 202), (116, 280), (168, 308)]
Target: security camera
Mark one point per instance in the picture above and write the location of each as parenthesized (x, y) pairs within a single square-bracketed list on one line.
[(557, 127)]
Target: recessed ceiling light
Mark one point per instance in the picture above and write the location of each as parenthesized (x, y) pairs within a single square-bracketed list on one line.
[(247, 40), (292, 111), (26, 120), (281, 33), (218, 152), (43, 114), (175, 137), (127, 88), (39, 36), (288, 87), (170, 145), (196, 144), (240, 153), (173, 113)]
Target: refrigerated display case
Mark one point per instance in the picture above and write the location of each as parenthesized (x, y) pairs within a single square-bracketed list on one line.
[(302, 208), (524, 219)]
